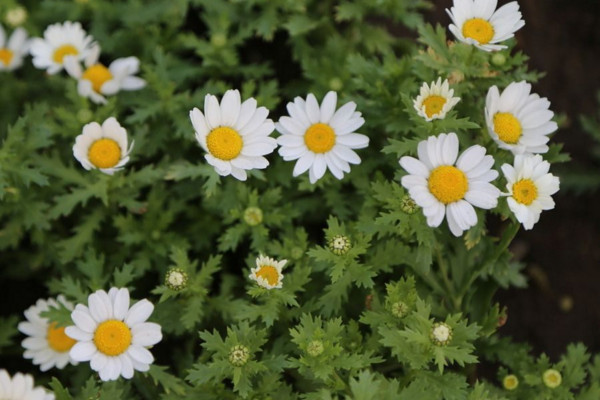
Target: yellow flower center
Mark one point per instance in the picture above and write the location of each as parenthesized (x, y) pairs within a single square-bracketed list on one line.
[(269, 273), (478, 29), (319, 138), (224, 143), (112, 337), (433, 105), (448, 184), (63, 51), (6, 56), (97, 74), (104, 153), (525, 191), (507, 127), (510, 382), (58, 340)]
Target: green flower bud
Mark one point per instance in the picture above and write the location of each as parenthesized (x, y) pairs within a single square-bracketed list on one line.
[(510, 382), (297, 253), (408, 205), (84, 116), (441, 334), (399, 309), (239, 355), (315, 348), (339, 245), (552, 378), (218, 40), (336, 84), (16, 16), (253, 216), (176, 279), (498, 59)]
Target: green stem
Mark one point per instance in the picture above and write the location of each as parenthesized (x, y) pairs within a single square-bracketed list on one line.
[(507, 236), (450, 290)]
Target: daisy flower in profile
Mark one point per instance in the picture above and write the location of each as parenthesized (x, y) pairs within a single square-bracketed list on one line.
[(436, 100), (445, 186), (235, 135), (20, 387), (97, 81), (519, 120), (47, 344), (60, 40), (12, 50), (320, 137), (102, 146), (113, 336), (268, 272), (477, 22), (530, 187)]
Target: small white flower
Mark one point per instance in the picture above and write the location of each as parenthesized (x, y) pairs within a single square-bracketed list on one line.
[(235, 135), (60, 40), (519, 120), (443, 189), (530, 188), (434, 102), (320, 137), (20, 387), (103, 147), (47, 345), (97, 81), (13, 50), (477, 22), (113, 336), (268, 272)]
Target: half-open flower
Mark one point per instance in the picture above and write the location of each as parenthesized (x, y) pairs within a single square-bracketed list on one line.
[(434, 102), (268, 272)]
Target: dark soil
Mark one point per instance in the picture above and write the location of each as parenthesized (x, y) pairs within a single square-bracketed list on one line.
[(562, 302)]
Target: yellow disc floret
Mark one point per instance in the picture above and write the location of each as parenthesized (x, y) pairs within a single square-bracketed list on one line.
[(6, 56), (58, 340), (63, 51), (448, 184), (434, 105), (552, 378), (525, 191), (112, 337), (319, 138), (507, 127), (97, 74), (104, 153), (224, 143), (478, 29), (268, 273)]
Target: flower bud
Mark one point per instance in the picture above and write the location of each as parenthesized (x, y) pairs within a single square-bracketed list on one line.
[(176, 279), (16, 16), (399, 309), (552, 378), (336, 84), (408, 205), (339, 245), (253, 216), (498, 59), (218, 40), (239, 355), (315, 348), (441, 334), (510, 382)]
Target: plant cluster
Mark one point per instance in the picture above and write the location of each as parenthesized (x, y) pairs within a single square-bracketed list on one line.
[(259, 278)]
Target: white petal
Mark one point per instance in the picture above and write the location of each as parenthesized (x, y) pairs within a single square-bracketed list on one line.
[(75, 333), (212, 111), (98, 361), (82, 351), (312, 109), (139, 312), (100, 306), (353, 140), (84, 321), (450, 150), (126, 366), (414, 166), (146, 334), (230, 107), (121, 304), (247, 110), (140, 354), (303, 163), (328, 107), (346, 154)]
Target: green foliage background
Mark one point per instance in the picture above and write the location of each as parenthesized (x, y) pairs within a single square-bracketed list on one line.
[(75, 231)]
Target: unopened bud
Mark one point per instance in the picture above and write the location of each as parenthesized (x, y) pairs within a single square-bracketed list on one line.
[(315, 348), (441, 334), (239, 355), (408, 205), (510, 382), (176, 279), (552, 378), (253, 216), (16, 16), (339, 245), (399, 309)]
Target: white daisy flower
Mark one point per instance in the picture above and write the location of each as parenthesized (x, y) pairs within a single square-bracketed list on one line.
[(268, 272), (97, 81), (47, 344), (477, 22), (434, 102), (518, 120), (530, 188), (235, 135), (113, 336), (20, 387), (445, 186), (60, 40), (103, 147), (12, 50), (320, 137)]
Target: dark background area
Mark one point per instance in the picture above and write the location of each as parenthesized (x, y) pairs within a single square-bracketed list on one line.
[(562, 252)]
